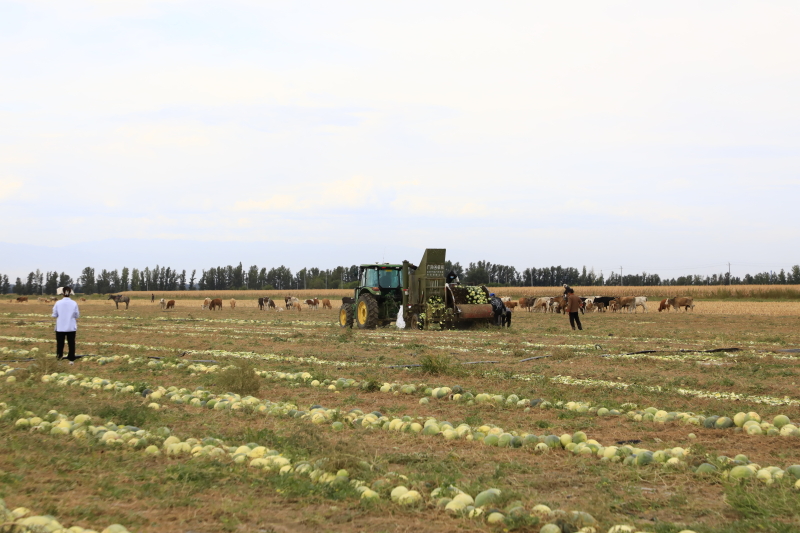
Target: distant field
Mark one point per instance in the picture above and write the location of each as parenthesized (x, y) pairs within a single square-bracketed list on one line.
[(707, 307), (711, 292)]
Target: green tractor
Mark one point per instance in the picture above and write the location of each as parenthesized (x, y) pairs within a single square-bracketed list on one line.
[(377, 299), (426, 300)]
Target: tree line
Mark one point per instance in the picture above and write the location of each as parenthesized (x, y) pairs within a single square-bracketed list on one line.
[(161, 278)]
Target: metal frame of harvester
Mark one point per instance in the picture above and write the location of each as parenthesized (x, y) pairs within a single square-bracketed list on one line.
[(422, 291)]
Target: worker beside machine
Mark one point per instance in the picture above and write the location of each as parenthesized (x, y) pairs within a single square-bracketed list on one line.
[(499, 308)]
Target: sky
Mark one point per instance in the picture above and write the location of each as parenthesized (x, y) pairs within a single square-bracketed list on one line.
[(644, 135)]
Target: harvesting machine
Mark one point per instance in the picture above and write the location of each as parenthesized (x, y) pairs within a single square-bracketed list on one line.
[(422, 293)]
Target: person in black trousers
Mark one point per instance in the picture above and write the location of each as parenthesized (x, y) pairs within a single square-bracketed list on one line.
[(573, 306), (66, 313)]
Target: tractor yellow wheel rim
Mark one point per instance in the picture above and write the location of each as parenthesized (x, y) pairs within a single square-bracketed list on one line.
[(362, 312), (343, 317)]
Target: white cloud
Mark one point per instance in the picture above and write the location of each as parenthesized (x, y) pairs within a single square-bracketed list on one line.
[(8, 186), (621, 122)]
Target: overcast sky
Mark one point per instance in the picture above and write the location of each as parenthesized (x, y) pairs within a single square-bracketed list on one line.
[(650, 135)]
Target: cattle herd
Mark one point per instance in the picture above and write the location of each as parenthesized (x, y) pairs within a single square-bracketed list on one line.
[(541, 304), (601, 304)]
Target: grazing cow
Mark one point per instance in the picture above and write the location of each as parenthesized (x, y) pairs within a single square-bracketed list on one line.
[(557, 304), (523, 303), (216, 303), (296, 305), (206, 303), (541, 304), (120, 299), (312, 303), (271, 303), (640, 301), (83, 299), (233, 303), (171, 304), (163, 303), (505, 299), (663, 306), (681, 301), (261, 304), (605, 300), (326, 304), (21, 299), (510, 304), (623, 302), (348, 300), (288, 301), (589, 305)]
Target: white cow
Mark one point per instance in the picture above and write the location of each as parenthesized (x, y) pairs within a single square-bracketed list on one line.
[(541, 303), (163, 303), (640, 300)]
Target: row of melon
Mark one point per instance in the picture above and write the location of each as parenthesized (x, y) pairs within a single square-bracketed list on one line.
[(492, 436), (461, 504), (21, 520), (781, 424)]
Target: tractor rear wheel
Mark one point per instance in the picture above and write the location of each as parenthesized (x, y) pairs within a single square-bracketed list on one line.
[(346, 316), (367, 312)]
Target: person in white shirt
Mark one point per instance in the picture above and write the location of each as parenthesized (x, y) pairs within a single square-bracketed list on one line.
[(66, 314)]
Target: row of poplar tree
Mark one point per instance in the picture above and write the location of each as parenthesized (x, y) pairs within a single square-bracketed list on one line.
[(231, 277)]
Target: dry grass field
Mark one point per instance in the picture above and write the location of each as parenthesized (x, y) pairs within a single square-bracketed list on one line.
[(328, 400)]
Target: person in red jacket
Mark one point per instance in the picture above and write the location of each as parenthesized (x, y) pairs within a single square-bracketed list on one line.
[(573, 306)]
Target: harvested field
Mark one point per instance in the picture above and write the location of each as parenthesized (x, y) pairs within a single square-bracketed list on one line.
[(722, 359)]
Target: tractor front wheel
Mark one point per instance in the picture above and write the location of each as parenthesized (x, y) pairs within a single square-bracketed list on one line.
[(416, 322), (346, 316), (367, 312)]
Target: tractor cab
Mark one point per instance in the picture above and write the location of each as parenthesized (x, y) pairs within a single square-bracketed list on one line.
[(377, 298)]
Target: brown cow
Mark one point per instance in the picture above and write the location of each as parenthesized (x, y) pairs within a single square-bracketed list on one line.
[(312, 303), (557, 304), (261, 304), (216, 303), (326, 304), (21, 299), (663, 306), (83, 299), (171, 304), (271, 304), (233, 303), (681, 301), (511, 305), (623, 302)]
